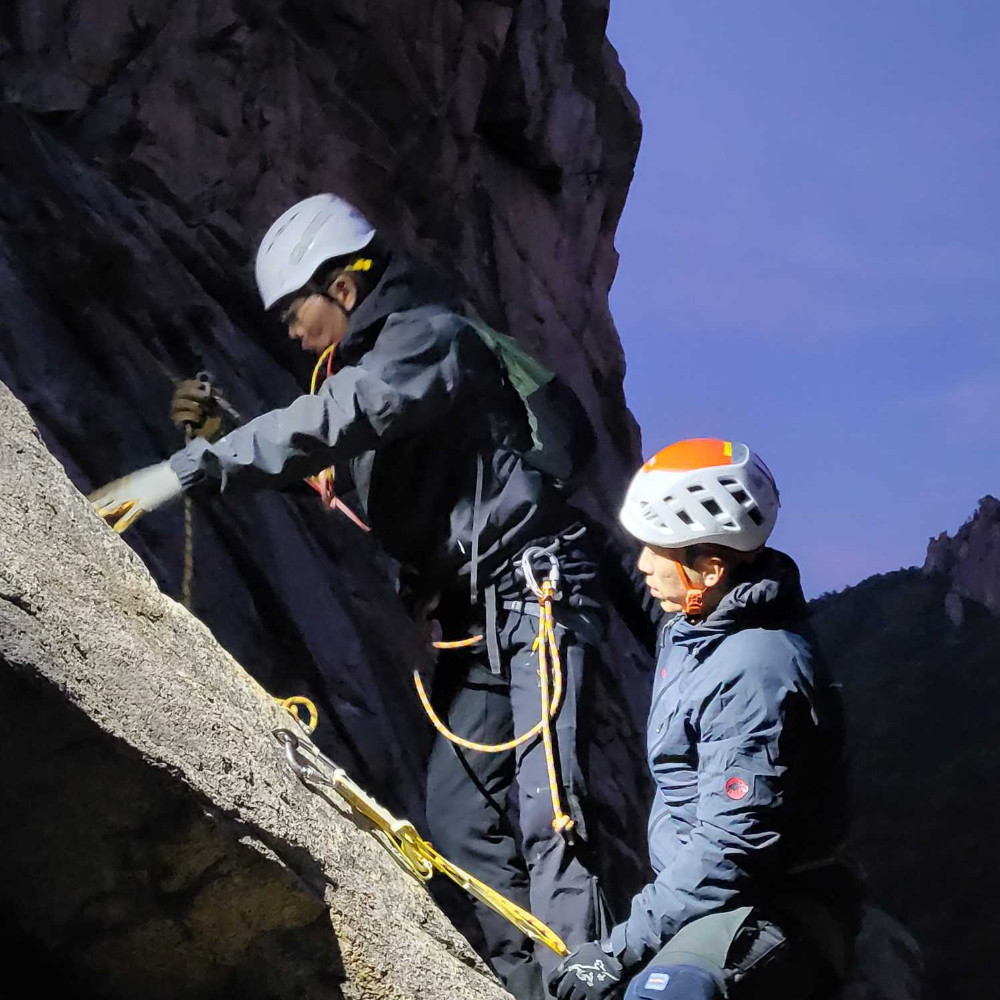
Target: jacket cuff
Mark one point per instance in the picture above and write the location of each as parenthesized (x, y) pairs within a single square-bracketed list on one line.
[(617, 945), (187, 464)]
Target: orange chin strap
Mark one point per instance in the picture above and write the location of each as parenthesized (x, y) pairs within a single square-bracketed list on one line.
[(693, 598)]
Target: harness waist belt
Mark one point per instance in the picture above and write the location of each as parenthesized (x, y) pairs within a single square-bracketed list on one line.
[(588, 627)]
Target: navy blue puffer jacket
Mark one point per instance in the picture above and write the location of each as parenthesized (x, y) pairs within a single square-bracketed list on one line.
[(745, 743)]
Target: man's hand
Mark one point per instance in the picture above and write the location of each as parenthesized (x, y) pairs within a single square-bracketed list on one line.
[(590, 973), (124, 501), (194, 406)]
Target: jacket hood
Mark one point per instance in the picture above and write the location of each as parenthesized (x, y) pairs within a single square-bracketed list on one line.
[(403, 285), (768, 595)]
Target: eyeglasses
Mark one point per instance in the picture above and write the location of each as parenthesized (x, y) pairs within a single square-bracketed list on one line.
[(291, 314)]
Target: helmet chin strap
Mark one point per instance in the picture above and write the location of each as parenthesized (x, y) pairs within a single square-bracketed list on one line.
[(340, 305), (693, 597)]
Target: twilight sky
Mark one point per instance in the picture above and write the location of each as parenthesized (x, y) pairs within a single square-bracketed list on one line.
[(810, 258)]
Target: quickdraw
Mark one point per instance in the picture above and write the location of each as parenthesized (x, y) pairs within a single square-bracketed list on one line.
[(400, 838)]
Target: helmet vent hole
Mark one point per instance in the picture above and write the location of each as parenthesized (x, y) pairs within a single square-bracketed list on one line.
[(668, 499), (740, 496), (755, 516), (728, 482), (685, 517), (712, 507), (696, 489)]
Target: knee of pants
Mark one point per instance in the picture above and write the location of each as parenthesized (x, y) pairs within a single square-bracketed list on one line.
[(674, 982), (535, 816)]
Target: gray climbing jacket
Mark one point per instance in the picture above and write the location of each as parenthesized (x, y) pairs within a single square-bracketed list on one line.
[(745, 743), (420, 420)]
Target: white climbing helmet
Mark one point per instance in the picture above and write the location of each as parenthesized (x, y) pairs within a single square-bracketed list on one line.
[(304, 238), (702, 490)]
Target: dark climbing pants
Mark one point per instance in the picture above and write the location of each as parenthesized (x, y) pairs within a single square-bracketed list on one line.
[(740, 955), (492, 813)]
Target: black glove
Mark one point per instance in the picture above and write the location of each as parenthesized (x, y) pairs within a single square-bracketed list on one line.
[(590, 973), (194, 406)]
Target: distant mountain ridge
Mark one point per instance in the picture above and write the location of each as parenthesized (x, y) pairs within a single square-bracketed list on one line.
[(971, 560), (918, 652)]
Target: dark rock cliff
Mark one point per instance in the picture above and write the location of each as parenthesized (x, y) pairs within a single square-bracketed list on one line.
[(145, 148)]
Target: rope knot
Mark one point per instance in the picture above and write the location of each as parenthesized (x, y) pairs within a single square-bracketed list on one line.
[(563, 824)]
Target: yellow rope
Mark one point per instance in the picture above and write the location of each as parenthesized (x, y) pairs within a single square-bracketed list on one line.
[(547, 645), (458, 643), (319, 365), (291, 705), (561, 823)]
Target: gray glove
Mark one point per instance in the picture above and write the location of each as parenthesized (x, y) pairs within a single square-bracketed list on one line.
[(125, 500)]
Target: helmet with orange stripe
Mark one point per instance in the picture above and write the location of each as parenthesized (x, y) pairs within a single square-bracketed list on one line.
[(699, 492)]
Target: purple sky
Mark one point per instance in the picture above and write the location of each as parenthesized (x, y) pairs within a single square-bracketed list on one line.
[(810, 258)]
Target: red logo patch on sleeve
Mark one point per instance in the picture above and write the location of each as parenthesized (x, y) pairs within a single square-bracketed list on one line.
[(736, 788)]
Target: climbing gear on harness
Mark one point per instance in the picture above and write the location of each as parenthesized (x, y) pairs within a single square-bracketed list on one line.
[(323, 482), (702, 491), (304, 238), (547, 646), (122, 502), (411, 852)]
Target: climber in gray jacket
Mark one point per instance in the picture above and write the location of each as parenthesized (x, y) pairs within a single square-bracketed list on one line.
[(752, 896), (418, 415)]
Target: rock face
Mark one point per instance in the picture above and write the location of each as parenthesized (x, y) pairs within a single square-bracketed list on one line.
[(153, 838), (971, 560)]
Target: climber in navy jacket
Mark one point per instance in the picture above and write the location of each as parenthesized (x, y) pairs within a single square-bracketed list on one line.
[(417, 414), (753, 896)]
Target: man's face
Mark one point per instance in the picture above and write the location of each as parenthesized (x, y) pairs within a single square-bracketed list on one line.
[(662, 578), (316, 322)]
